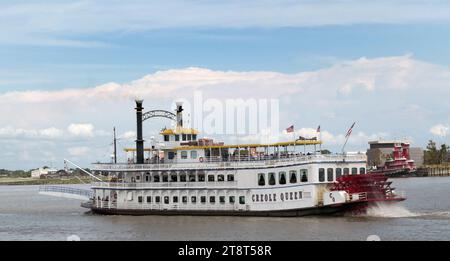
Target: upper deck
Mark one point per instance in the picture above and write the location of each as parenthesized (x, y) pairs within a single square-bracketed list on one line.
[(237, 163)]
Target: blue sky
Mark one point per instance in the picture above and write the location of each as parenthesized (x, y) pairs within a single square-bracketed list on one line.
[(50, 47), (129, 56)]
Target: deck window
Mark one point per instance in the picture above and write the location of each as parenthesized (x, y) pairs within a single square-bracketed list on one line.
[(189, 137), (362, 171), (203, 199), (184, 137), (157, 199), (156, 178), (173, 177), (304, 175), (192, 178), (242, 200), (184, 154), (222, 199), (272, 178), (194, 136), (166, 200), (171, 155), (230, 177), (293, 176), (330, 174), (201, 177), (212, 199), (231, 199), (321, 175), (165, 178), (338, 173), (221, 178), (346, 171), (166, 137), (282, 178), (184, 199), (140, 199), (354, 171), (194, 154), (193, 199), (183, 178), (261, 179), (149, 199), (175, 199), (177, 137), (210, 178)]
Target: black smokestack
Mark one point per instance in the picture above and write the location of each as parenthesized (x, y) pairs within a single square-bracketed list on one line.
[(139, 140)]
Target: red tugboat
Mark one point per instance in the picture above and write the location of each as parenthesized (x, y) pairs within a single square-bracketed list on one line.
[(398, 163)]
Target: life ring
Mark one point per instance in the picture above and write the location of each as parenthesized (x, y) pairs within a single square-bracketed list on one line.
[(200, 159)]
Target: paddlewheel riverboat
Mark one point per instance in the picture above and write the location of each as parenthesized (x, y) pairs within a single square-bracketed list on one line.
[(190, 175)]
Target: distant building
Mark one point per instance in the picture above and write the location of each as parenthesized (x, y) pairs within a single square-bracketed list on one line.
[(38, 173), (382, 151)]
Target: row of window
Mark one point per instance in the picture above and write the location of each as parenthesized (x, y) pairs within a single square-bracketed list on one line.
[(283, 178), (184, 154), (339, 172), (185, 178), (193, 199), (184, 137)]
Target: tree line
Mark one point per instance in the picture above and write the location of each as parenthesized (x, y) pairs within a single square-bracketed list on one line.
[(435, 155)]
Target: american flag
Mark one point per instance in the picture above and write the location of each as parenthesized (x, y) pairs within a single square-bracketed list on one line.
[(290, 129), (349, 132), (318, 129)]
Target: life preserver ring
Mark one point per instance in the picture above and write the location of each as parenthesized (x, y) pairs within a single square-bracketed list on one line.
[(200, 159)]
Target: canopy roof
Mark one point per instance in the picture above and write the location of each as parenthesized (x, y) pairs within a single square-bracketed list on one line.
[(179, 130)]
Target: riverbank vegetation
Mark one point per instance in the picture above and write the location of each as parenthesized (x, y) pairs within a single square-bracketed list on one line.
[(434, 155)]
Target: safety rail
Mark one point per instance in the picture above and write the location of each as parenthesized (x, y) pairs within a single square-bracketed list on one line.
[(173, 185), (231, 164), (66, 190), (163, 207)]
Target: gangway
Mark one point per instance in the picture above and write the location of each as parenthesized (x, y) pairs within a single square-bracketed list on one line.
[(65, 192)]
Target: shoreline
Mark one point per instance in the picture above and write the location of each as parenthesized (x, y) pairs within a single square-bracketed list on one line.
[(32, 181)]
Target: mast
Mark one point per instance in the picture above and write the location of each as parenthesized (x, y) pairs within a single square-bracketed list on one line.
[(115, 146)]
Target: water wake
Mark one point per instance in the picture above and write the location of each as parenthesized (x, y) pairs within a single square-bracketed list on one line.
[(389, 211)]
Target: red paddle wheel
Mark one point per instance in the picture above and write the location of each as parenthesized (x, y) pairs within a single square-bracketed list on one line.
[(370, 188)]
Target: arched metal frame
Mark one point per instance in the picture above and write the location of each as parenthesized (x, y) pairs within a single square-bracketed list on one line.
[(159, 114)]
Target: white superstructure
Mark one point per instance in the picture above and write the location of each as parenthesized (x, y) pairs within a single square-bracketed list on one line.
[(190, 175)]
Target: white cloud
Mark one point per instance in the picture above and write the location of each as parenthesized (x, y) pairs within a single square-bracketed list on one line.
[(387, 97), (52, 133), (129, 135), (78, 151), (440, 130), (81, 130)]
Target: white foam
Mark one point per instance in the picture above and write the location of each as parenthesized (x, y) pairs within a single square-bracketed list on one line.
[(389, 211)]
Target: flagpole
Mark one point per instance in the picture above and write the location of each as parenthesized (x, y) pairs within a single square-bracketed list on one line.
[(343, 147), (320, 138), (347, 136)]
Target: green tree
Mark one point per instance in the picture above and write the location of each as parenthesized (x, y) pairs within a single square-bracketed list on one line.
[(443, 153), (431, 154)]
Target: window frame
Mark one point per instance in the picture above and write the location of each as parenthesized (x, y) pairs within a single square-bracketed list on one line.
[(321, 175), (295, 177)]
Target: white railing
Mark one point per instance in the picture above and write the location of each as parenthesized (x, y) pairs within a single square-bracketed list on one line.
[(180, 206), (66, 190), (173, 185), (232, 164)]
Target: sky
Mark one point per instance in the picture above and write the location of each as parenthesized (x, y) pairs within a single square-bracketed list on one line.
[(70, 70)]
